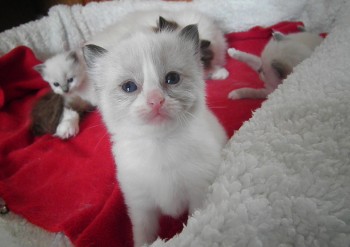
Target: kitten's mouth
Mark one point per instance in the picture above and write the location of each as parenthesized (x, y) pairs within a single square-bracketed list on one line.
[(156, 116)]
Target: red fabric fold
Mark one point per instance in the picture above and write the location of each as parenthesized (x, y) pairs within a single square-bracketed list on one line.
[(70, 185)]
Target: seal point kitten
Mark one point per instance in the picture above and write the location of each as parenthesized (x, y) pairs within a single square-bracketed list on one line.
[(281, 54), (65, 73), (166, 142)]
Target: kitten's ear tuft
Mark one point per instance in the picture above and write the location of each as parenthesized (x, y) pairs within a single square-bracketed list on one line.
[(162, 23), (40, 68), (72, 55), (190, 33), (165, 25), (91, 53), (278, 36), (281, 69)]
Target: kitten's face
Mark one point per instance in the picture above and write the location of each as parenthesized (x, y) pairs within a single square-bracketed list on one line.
[(269, 75), (63, 72), (151, 79)]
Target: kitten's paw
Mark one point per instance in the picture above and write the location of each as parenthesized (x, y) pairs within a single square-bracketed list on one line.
[(234, 95), (69, 125), (67, 129), (220, 74), (232, 52)]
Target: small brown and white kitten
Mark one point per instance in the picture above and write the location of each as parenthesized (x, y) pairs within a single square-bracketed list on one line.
[(281, 54), (65, 73)]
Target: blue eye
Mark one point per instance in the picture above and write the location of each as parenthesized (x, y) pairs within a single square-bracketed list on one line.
[(70, 80), (172, 78), (129, 86), (56, 84)]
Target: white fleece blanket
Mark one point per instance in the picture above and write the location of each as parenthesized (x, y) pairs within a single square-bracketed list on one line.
[(285, 175)]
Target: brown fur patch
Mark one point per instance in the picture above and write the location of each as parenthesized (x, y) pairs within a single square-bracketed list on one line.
[(79, 105), (46, 114)]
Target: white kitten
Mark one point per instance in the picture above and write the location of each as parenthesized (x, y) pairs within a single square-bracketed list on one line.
[(149, 20), (166, 142), (281, 54), (66, 75)]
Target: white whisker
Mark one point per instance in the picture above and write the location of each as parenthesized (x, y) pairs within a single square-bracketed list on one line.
[(217, 107), (94, 126), (98, 143)]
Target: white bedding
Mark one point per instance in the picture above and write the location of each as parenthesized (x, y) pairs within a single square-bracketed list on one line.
[(285, 175)]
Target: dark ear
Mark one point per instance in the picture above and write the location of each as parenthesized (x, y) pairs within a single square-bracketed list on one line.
[(281, 69), (40, 68), (73, 56), (166, 25), (91, 53), (278, 36), (205, 43), (190, 33), (301, 28)]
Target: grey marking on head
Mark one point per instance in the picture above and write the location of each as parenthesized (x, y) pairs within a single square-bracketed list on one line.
[(40, 68), (165, 25), (72, 56), (190, 33), (91, 52), (278, 36)]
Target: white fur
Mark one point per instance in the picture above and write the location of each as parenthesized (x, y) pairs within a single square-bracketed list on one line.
[(147, 20), (69, 124), (166, 166), (291, 50)]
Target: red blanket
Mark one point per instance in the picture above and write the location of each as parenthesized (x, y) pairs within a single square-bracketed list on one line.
[(70, 186)]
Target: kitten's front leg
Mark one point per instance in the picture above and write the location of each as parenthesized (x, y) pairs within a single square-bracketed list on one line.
[(69, 124), (145, 224), (249, 93)]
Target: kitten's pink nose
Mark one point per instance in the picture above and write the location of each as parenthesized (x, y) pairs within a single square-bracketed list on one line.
[(155, 99)]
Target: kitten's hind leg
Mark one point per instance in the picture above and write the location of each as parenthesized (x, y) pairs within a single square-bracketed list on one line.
[(249, 93), (69, 124), (251, 60)]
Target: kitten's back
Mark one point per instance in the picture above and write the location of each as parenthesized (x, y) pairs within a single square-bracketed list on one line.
[(281, 55), (146, 20), (291, 49)]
